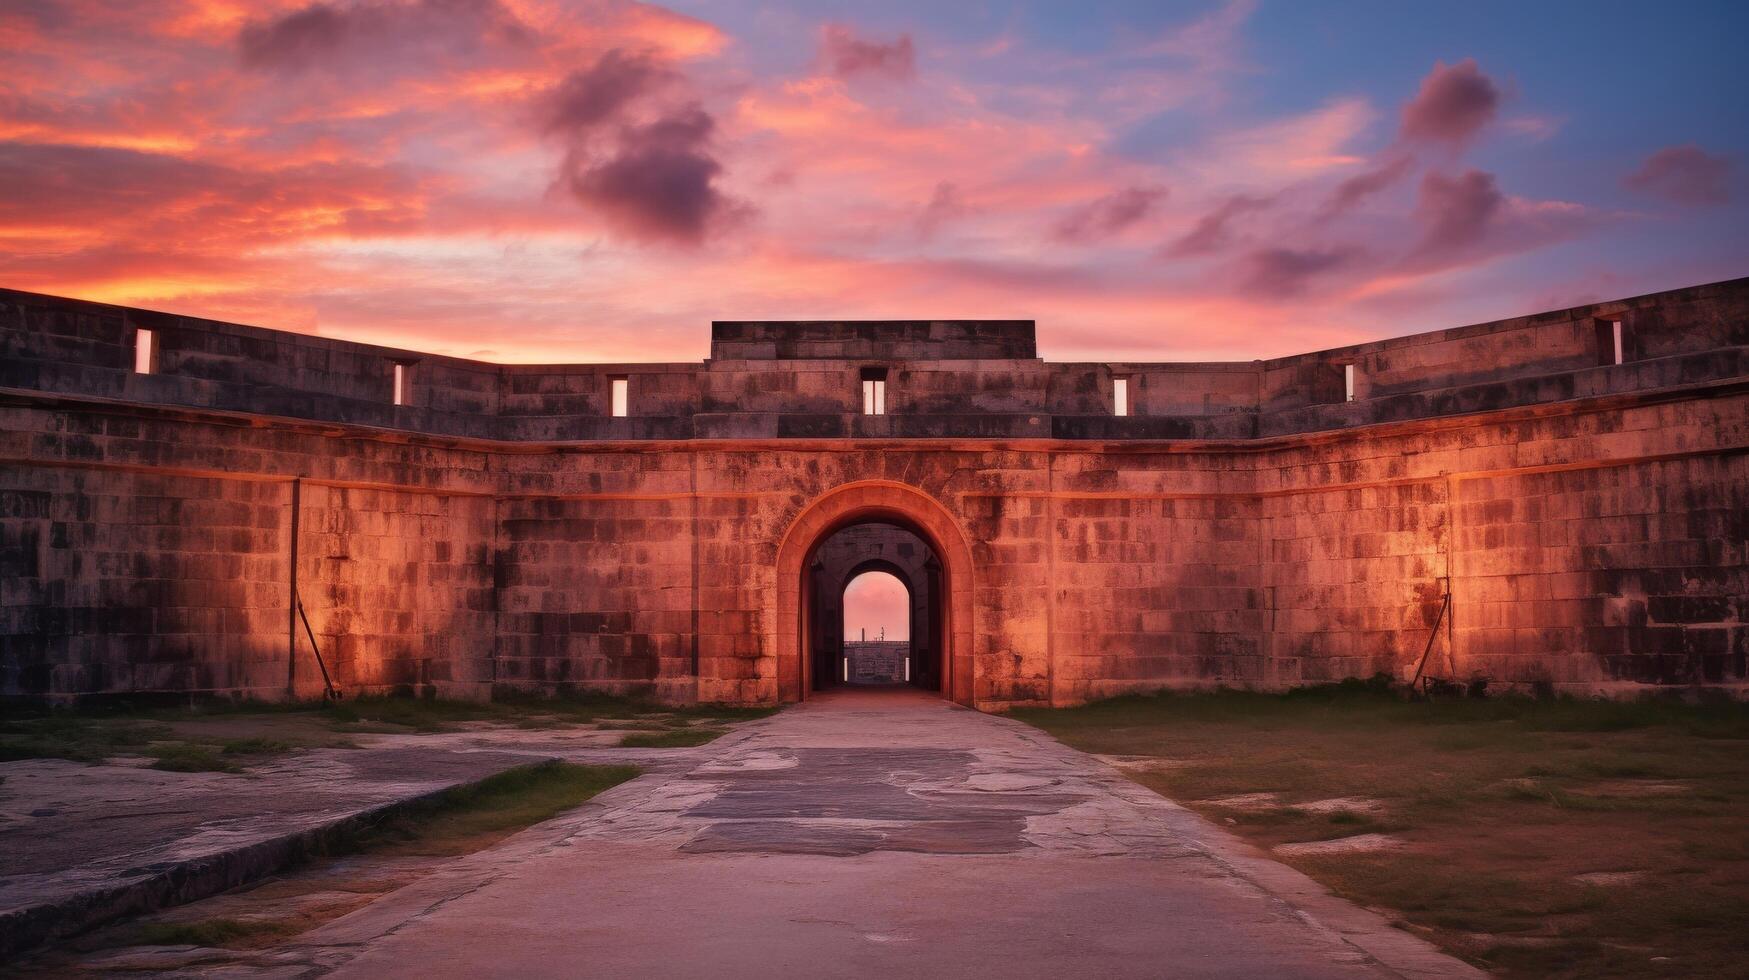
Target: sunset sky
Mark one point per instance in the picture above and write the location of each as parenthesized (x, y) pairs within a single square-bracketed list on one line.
[(544, 180), (873, 602)]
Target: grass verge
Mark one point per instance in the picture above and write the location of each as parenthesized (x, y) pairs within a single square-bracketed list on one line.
[(674, 738), (1558, 838), (227, 736), (214, 933), (473, 817)]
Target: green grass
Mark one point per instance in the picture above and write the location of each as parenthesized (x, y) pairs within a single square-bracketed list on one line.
[(676, 738), (254, 746), (1503, 803), (469, 818), (228, 755), (213, 933), (72, 737), (226, 736), (519, 711), (189, 757)]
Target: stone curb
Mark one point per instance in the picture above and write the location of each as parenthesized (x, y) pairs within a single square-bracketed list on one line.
[(173, 883)]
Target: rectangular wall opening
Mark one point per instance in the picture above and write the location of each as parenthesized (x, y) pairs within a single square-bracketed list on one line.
[(403, 382), (145, 351), (1614, 344), (622, 395), (1120, 396), (1348, 382), (874, 391)]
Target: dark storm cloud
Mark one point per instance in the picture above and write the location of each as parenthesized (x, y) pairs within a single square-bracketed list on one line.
[(1108, 215), (1454, 103), (659, 181), (844, 54), (1685, 175), (590, 97), (635, 156)]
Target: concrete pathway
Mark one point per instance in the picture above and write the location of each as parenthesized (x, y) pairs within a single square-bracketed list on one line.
[(83, 844), (868, 835)]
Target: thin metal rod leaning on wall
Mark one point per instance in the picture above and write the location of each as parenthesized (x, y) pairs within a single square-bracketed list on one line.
[(291, 647)]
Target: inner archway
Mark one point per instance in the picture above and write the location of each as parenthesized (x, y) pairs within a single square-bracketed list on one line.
[(874, 609), (875, 501)]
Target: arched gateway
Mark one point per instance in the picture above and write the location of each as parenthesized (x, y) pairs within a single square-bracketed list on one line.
[(888, 503)]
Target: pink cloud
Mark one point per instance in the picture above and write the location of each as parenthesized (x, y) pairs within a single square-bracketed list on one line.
[(1683, 174), (1109, 215), (659, 183), (639, 154), (946, 204), (1455, 212), (1467, 220), (845, 54), (1285, 272), (382, 35), (598, 95), (1213, 231), (1453, 104), (1354, 190), (501, 169)]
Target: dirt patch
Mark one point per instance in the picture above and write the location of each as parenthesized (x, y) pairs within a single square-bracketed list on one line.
[(1245, 801), (1610, 879), (1636, 788), (1341, 845)]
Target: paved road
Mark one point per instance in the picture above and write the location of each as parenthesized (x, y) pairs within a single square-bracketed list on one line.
[(870, 835)]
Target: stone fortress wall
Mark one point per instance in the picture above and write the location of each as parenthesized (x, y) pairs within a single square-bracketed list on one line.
[(876, 661), (1247, 524)]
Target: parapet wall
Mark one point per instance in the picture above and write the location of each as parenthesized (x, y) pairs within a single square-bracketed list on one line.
[(944, 379), (1589, 522)]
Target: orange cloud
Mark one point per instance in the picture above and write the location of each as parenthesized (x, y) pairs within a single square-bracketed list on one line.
[(436, 175)]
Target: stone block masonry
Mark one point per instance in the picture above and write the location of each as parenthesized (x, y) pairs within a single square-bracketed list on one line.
[(1245, 524), (876, 661)]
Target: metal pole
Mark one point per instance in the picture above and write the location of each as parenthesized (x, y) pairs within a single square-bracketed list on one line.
[(327, 684), (291, 649)]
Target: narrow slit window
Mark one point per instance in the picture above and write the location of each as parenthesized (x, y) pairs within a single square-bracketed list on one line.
[(403, 382), (1120, 396), (145, 351), (1348, 382), (1614, 342), (622, 396), (874, 391)]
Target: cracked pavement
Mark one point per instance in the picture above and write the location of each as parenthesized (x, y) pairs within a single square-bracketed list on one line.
[(859, 834)]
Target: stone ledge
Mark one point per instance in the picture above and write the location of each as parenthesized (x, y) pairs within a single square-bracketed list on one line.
[(181, 879)]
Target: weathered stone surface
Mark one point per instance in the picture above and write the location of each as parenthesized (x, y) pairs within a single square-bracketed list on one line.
[(1240, 527), (84, 844), (743, 865)]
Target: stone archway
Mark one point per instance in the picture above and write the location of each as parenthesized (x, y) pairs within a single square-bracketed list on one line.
[(841, 559), (892, 503)]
